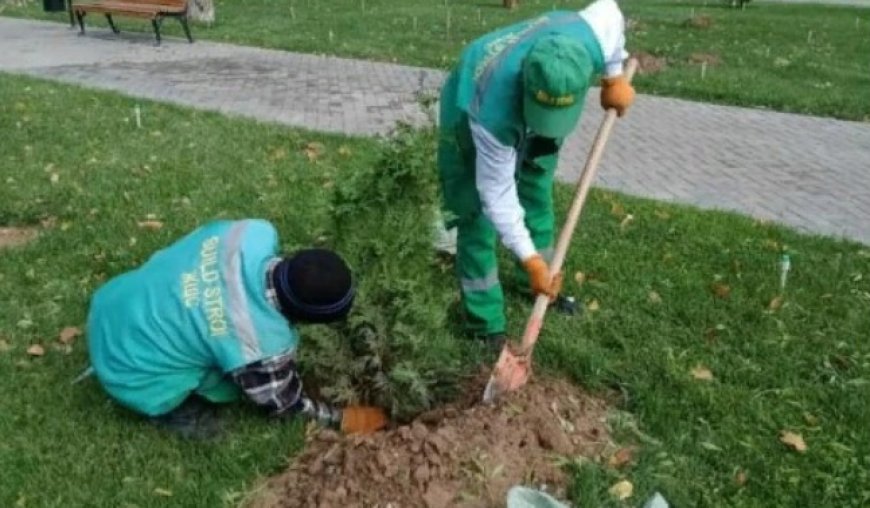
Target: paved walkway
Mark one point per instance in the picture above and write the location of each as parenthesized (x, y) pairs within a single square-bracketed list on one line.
[(811, 173)]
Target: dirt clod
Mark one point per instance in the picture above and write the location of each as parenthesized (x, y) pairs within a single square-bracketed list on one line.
[(461, 456), (15, 237)]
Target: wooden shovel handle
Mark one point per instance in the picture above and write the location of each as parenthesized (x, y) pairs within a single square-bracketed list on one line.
[(536, 320)]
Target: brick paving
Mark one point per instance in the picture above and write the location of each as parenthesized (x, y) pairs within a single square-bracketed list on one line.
[(807, 172)]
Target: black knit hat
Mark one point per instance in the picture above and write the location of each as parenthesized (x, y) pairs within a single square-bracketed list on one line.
[(314, 285)]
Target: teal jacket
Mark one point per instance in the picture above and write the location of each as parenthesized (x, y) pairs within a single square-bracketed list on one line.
[(195, 311)]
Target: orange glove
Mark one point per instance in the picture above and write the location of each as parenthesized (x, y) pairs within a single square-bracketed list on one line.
[(362, 419), (616, 93), (539, 277)]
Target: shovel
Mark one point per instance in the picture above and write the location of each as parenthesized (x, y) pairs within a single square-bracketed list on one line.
[(514, 364)]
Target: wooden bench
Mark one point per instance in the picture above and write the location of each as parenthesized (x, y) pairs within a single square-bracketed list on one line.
[(155, 10)]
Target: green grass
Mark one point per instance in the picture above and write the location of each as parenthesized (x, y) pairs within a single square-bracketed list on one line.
[(804, 367), (764, 53)]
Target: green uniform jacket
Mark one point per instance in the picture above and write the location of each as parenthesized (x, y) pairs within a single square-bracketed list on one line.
[(486, 86)]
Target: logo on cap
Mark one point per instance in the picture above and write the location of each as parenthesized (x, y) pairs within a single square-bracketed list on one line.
[(545, 98)]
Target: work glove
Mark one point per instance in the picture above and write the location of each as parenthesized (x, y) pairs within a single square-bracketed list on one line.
[(362, 419), (616, 93), (539, 277)]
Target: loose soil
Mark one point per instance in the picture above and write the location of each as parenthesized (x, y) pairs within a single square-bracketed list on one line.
[(464, 455), (15, 237), (649, 63)]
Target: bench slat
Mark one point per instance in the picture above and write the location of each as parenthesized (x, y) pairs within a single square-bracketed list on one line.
[(128, 7)]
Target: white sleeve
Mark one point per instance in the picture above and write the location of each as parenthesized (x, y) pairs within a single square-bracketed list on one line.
[(495, 165), (608, 24)]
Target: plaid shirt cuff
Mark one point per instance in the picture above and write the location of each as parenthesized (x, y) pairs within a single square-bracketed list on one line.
[(274, 384)]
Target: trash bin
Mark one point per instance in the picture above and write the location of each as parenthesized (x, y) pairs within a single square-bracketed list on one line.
[(54, 5)]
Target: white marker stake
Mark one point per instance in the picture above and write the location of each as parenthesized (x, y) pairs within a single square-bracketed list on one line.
[(448, 23), (138, 116), (703, 69)]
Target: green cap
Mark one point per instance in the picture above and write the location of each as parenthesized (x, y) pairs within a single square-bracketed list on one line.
[(556, 75)]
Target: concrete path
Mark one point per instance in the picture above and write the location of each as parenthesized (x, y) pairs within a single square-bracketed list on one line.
[(811, 173)]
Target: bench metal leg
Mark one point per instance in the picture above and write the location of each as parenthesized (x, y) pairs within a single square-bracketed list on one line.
[(183, 20), (69, 8), (156, 24), (81, 17), (112, 23)]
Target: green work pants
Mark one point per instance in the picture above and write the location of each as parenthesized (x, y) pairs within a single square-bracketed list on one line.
[(482, 293), (476, 263)]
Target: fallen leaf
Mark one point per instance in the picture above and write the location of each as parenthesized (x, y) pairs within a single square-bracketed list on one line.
[(593, 305), (654, 297), (153, 225), (721, 290), (771, 245), (162, 492), (795, 441), (776, 303), (68, 334), (626, 221), (579, 278), (711, 334), (36, 350), (621, 490), (710, 446), (617, 210), (663, 215), (4, 346), (740, 478), (622, 457), (313, 151), (55, 178), (344, 151), (811, 419), (702, 373), (278, 154)]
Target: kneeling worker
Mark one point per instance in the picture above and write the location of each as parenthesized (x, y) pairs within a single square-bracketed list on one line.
[(210, 318)]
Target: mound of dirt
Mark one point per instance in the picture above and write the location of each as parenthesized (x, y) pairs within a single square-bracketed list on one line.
[(700, 21), (461, 455), (705, 58), (14, 237), (648, 63)]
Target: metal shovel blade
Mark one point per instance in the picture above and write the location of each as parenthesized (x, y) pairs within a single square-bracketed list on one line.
[(510, 373)]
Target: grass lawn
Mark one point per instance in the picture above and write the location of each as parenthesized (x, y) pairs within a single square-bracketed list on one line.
[(798, 58), (88, 176)]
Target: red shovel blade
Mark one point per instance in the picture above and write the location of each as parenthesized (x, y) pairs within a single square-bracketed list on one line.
[(510, 373)]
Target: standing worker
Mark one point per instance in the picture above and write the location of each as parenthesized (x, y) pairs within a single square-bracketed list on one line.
[(506, 109), (210, 319)]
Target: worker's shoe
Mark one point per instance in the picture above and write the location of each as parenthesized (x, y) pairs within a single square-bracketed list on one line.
[(565, 305), (194, 419), (494, 343)]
